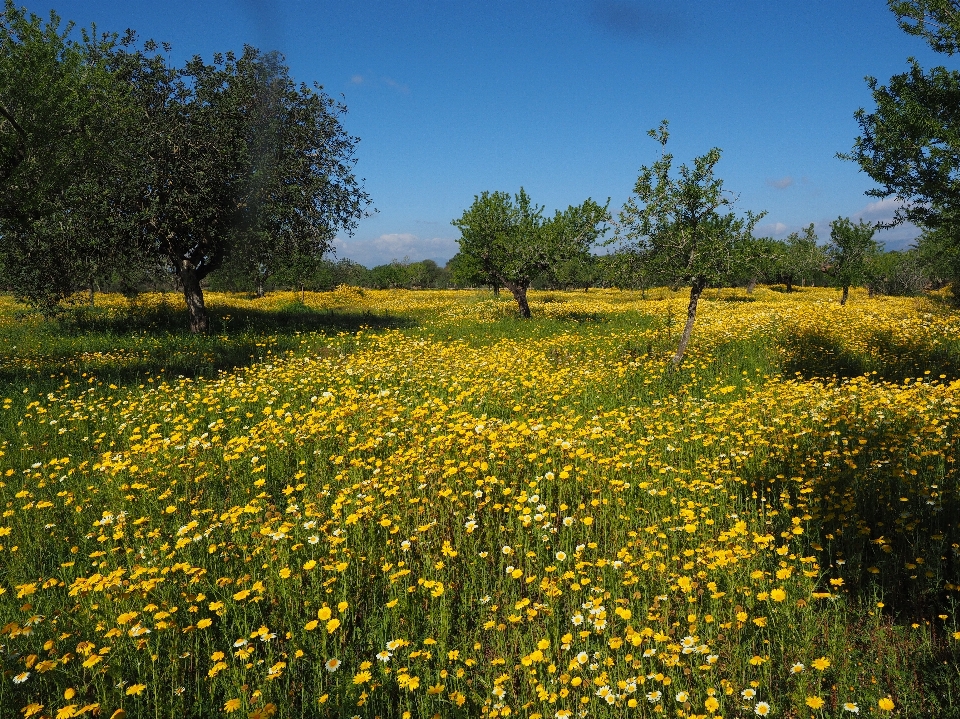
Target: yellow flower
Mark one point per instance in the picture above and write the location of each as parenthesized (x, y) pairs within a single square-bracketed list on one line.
[(361, 677), (332, 625), (820, 664), (311, 625), (778, 595), (323, 614), (135, 689), (814, 702), (886, 704), (232, 705), (204, 623), (711, 705)]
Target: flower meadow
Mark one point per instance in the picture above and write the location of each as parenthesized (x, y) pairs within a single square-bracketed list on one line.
[(412, 504)]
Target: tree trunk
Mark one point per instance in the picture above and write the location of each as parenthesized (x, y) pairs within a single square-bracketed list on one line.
[(789, 284), (91, 293), (496, 290), (193, 294), (519, 293), (846, 293), (751, 286), (260, 291), (696, 289)]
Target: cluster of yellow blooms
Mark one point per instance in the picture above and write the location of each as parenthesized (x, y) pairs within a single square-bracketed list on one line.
[(400, 524)]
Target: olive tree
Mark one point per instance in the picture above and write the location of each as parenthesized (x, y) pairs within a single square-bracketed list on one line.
[(508, 240), (684, 226), (849, 253)]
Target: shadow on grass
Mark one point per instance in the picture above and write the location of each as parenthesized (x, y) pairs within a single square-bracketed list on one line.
[(130, 346), (881, 499), (816, 354), (163, 319)]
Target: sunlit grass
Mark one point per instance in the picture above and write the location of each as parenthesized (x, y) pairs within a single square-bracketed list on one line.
[(380, 503)]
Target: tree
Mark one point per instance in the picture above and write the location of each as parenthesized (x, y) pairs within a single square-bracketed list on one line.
[(678, 225), (896, 273), (802, 257), (849, 253), (758, 260), (63, 123), (235, 158), (508, 240), (910, 144), (625, 268)]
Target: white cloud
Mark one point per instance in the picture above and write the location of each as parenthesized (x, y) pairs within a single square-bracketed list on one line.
[(879, 211), (780, 183), (774, 229), (396, 246), (357, 79)]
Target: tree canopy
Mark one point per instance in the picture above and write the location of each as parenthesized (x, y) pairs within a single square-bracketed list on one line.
[(849, 253), (113, 160), (507, 239)]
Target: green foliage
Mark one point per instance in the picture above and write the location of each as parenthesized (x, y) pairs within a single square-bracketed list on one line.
[(936, 21), (909, 144), (896, 273), (115, 163), (508, 240), (802, 257), (63, 121), (850, 251), (684, 228), (679, 223)]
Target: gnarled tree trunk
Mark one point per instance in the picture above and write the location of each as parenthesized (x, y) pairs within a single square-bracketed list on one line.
[(193, 294), (696, 289), (519, 293), (846, 293)]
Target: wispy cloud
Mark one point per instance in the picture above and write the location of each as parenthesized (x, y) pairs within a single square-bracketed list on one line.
[(382, 81), (781, 183), (398, 86), (396, 246)]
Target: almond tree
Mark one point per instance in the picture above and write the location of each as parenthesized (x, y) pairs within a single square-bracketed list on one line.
[(849, 253), (683, 225), (509, 241)]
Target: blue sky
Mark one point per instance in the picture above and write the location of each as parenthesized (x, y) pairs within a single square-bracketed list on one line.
[(450, 98)]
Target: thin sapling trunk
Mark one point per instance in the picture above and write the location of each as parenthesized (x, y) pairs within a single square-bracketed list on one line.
[(696, 289)]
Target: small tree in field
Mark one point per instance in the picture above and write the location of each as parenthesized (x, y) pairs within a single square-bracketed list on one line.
[(509, 241), (802, 257), (678, 224), (849, 252)]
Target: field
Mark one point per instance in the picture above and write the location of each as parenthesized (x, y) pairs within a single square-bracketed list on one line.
[(412, 504)]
